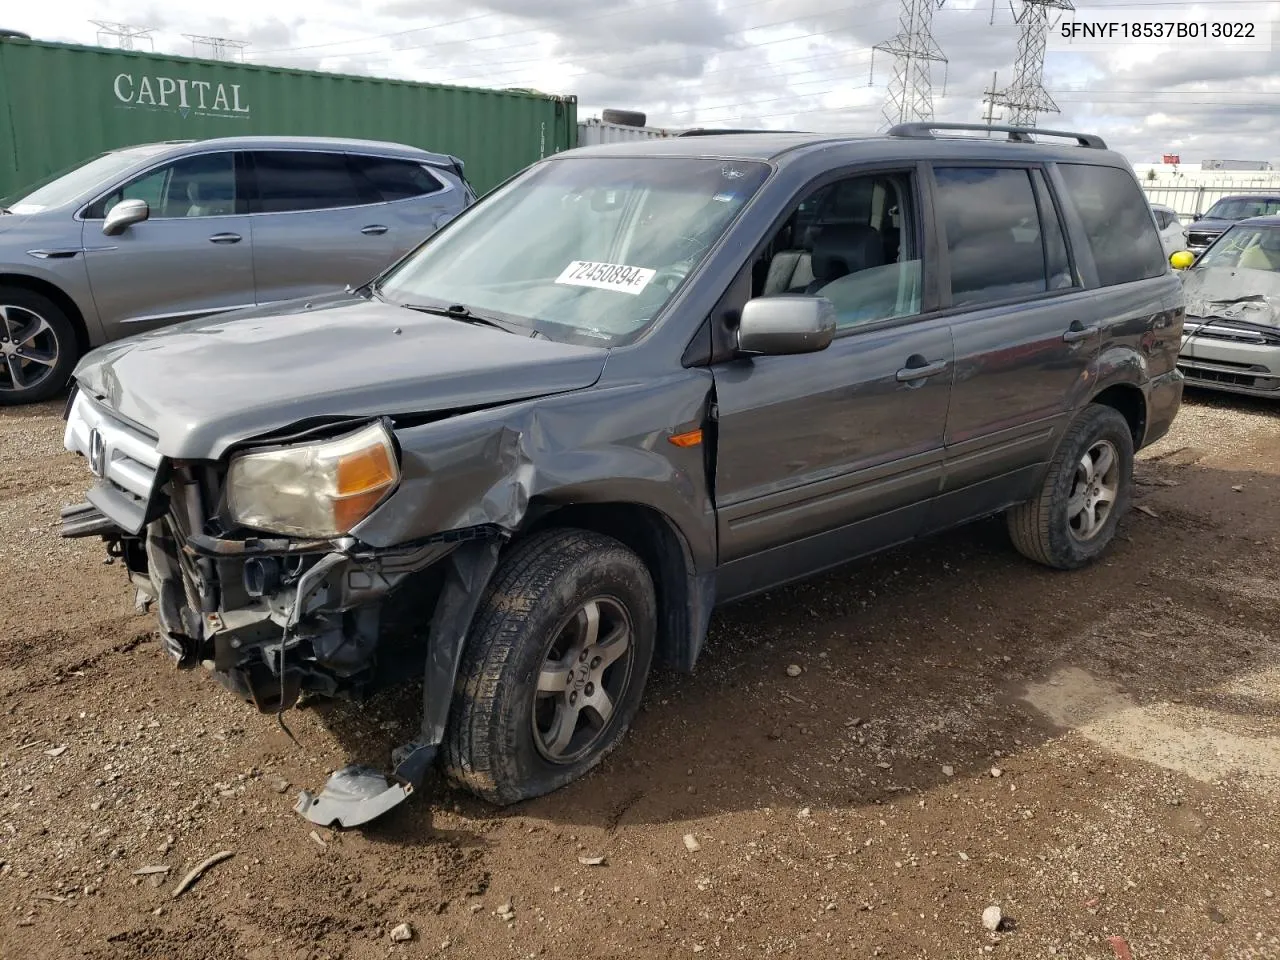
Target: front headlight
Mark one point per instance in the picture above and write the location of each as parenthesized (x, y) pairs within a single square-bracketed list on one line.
[(315, 489)]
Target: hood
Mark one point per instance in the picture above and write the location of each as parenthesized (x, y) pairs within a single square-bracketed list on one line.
[(1233, 293), (206, 384), (1209, 225)]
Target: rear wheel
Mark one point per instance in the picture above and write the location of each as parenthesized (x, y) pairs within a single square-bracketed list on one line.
[(554, 667), (1086, 491), (38, 347)]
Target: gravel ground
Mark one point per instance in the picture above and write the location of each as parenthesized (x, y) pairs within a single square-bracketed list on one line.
[(1097, 754)]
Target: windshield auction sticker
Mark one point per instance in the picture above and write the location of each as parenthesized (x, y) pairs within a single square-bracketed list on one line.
[(606, 276)]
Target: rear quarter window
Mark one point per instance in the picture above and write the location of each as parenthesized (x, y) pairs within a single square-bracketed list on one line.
[(1117, 222), (395, 179)]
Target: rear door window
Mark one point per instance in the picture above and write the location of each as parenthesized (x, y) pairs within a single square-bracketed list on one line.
[(995, 245), (293, 180), (1117, 222)]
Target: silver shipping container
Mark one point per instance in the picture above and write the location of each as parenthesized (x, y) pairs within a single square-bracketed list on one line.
[(595, 131)]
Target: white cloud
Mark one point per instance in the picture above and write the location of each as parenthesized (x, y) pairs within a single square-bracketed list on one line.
[(799, 64)]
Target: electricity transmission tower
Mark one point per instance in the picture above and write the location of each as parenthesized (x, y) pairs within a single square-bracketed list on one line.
[(1026, 97), (123, 34), (218, 48), (914, 52)]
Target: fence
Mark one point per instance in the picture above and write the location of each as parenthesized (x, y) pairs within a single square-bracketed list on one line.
[(1195, 200)]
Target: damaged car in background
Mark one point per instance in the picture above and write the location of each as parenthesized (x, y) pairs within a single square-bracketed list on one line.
[(634, 382), (1231, 338)]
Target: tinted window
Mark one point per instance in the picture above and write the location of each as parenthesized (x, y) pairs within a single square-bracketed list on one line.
[(200, 186), (301, 180), (397, 179), (1117, 223), (993, 234)]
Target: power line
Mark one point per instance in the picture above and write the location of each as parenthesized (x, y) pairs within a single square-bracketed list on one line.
[(503, 34), (1098, 4), (734, 112), (491, 73), (487, 68)]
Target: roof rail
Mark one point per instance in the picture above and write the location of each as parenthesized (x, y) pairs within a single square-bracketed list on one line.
[(923, 130), (711, 132)]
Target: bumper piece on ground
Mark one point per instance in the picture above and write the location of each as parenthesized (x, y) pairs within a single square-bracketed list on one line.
[(357, 794)]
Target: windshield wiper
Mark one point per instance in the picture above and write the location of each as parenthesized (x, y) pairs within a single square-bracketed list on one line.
[(460, 311)]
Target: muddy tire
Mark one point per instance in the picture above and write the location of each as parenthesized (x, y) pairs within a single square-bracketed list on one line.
[(38, 347), (554, 666), (1086, 491)]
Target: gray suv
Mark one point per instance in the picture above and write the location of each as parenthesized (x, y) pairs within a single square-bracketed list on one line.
[(149, 235), (635, 382)]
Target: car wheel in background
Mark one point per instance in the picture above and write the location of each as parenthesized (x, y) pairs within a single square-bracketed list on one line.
[(38, 347)]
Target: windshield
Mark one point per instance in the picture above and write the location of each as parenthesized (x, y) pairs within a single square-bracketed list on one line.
[(1241, 208), (581, 246), (72, 184), (1245, 247)]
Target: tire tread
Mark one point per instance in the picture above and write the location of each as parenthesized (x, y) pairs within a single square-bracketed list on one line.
[(1028, 523), (526, 574)]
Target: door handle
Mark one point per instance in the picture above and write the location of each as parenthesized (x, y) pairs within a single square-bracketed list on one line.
[(225, 238), (909, 373), (373, 229), (1076, 334)]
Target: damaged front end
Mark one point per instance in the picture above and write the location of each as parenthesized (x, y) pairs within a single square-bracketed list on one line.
[(276, 617)]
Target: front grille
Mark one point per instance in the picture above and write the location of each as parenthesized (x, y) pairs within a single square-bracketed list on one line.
[(1219, 376), (1234, 335), (1229, 373), (123, 458), (1198, 238)]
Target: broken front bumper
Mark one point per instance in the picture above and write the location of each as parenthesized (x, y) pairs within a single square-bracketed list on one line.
[(275, 616), (340, 621)]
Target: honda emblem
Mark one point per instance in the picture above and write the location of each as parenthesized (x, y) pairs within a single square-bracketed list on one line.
[(97, 454)]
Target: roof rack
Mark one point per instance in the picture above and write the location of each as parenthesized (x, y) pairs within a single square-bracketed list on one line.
[(924, 131), (708, 132)]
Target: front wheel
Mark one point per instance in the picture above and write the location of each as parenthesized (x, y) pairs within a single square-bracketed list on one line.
[(1086, 490), (554, 666)]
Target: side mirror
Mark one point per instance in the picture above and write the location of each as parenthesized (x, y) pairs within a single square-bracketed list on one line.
[(777, 326), (1182, 259), (124, 215)]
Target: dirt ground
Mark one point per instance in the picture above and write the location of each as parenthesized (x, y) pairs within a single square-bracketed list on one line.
[(1098, 754)]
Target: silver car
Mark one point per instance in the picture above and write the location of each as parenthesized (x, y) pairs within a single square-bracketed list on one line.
[(1231, 338), (150, 235)]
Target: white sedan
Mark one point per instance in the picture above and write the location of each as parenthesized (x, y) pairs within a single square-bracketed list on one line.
[(1172, 233)]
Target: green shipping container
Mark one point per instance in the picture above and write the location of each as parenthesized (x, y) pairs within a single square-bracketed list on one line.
[(61, 104)]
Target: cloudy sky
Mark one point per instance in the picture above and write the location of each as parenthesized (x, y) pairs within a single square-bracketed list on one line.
[(804, 64)]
